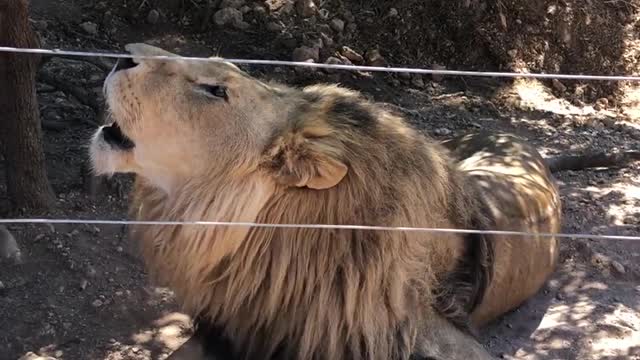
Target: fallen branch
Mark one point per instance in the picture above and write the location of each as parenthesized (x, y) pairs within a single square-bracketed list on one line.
[(449, 95), (601, 159), (97, 62)]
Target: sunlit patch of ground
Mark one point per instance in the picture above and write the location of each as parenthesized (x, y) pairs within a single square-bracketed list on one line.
[(164, 336)]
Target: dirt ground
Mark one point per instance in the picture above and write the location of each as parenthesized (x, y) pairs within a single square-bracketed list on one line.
[(81, 291)]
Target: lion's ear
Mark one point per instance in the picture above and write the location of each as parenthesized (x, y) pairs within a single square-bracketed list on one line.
[(329, 174), (299, 161)]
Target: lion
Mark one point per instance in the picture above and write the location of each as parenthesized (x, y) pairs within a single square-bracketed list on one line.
[(206, 141)]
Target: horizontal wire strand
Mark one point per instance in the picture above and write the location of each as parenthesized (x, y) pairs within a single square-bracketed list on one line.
[(316, 226), (57, 52)]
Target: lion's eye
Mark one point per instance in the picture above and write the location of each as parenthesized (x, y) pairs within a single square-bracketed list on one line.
[(215, 90)]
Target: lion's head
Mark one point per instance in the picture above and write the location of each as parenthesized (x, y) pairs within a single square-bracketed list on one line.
[(176, 120)]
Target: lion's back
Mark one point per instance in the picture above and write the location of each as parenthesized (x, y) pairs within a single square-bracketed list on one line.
[(522, 196)]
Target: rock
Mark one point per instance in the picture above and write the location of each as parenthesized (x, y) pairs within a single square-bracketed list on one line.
[(352, 55), (119, 249), (374, 58), (437, 77), (327, 41), (348, 16), (275, 26), (601, 104), (89, 27), (315, 43), (233, 4), (343, 59), (393, 12), (323, 14), (91, 271), (97, 303), (245, 9), (417, 81), (287, 40), (9, 249), (2, 287), (404, 75), (599, 259), (306, 8), (227, 16), (40, 25), (153, 17), (442, 132), (241, 25), (31, 356), (274, 5), (558, 85), (305, 53), (608, 121), (332, 60), (83, 284), (337, 25), (619, 268), (304, 69), (324, 29), (259, 11)]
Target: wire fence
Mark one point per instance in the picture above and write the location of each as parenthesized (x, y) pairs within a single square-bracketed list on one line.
[(315, 226), (326, 66), (106, 54)]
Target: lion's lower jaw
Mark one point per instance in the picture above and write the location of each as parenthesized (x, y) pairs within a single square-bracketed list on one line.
[(102, 158)]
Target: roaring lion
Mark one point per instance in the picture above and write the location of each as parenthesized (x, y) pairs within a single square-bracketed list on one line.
[(209, 142)]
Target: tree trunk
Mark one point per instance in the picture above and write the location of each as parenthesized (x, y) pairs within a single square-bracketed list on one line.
[(20, 130)]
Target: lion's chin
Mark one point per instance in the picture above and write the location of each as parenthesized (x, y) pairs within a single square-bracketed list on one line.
[(111, 151)]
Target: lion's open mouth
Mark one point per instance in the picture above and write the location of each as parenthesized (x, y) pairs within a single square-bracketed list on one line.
[(114, 136)]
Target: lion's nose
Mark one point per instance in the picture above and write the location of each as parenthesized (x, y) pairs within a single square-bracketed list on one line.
[(124, 64)]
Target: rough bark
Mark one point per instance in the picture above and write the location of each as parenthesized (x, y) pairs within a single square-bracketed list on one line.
[(20, 130)]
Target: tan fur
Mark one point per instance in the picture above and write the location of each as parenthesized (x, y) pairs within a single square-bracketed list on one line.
[(521, 193), (272, 154)]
